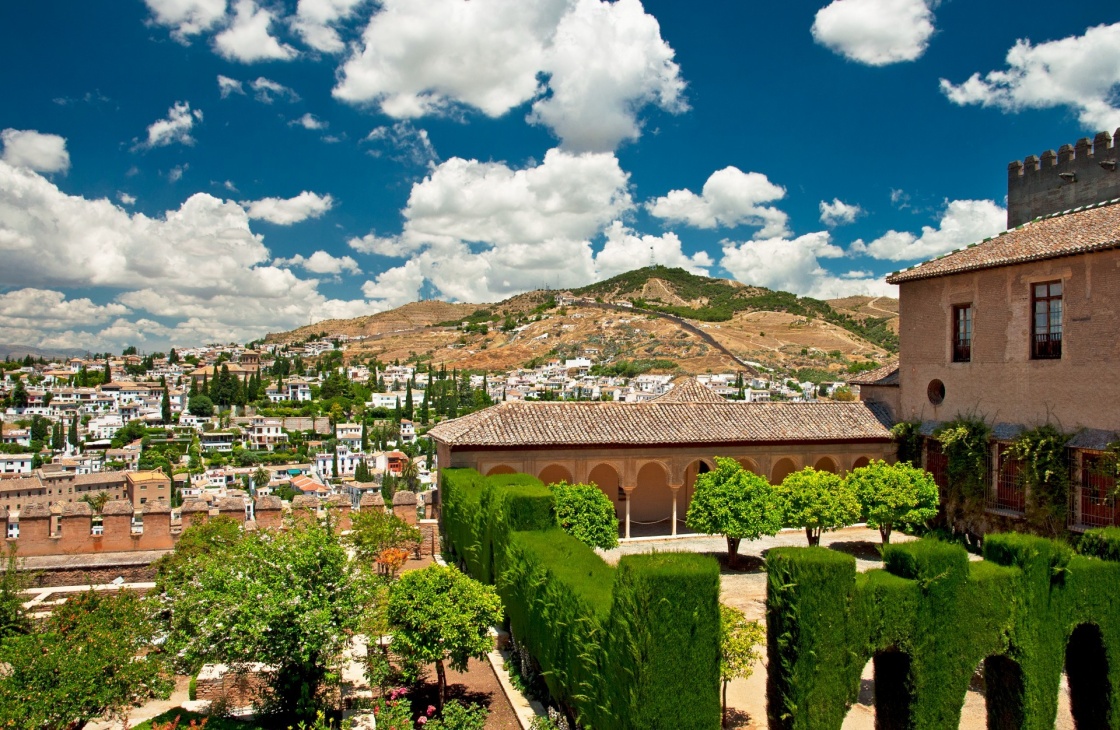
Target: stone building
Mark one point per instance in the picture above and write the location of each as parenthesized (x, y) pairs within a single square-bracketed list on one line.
[(645, 456), (1023, 329)]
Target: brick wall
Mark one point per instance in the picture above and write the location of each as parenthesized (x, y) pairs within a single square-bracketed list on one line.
[(1001, 382)]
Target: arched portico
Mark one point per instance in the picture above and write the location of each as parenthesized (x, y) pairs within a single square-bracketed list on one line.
[(782, 468), (651, 497), (500, 469), (606, 478), (826, 463)]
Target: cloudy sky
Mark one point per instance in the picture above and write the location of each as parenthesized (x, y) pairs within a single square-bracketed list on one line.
[(187, 171)]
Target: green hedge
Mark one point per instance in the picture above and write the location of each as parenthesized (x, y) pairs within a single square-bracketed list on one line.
[(929, 619), (611, 643)]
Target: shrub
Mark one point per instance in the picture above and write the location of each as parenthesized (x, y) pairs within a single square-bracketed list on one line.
[(459, 716), (1103, 543), (735, 503), (586, 513)]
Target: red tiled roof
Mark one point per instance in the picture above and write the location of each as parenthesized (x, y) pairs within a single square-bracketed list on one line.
[(689, 390), (885, 375), (1082, 230), (521, 423)]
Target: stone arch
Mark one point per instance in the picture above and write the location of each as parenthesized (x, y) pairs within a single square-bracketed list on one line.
[(782, 468), (893, 698), (555, 473), (826, 463), (1003, 691), (500, 469), (749, 464), (605, 476), (861, 462), (651, 500), (1090, 692)]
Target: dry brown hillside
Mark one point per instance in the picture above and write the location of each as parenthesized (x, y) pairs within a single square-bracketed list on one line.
[(796, 334)]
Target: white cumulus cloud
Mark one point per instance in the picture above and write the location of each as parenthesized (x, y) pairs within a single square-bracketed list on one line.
[(267, 90), (286, 211), (794, 265), (404, 143), (730, 198), (126, 199), (187, 17), (962, 223), (1080, 72), (316, 22), (35, 150), (875, 32), (176, 128), (309, 121), (227, 86), (247, 38), (600, 64), (626, 250), (322, 262), (200, 268), (838, 212)]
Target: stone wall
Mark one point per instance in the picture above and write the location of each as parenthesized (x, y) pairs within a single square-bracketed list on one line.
[(1002, 383)]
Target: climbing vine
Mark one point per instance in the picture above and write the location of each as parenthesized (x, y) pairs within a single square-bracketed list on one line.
[(965, 443), (1044, 473), (908, 434)]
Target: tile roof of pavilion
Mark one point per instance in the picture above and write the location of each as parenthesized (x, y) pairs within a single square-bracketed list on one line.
[(1081, 230), (884, 375), (689, 390), (521, 423)]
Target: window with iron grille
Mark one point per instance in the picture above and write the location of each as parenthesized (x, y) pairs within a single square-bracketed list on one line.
[(1046, 324), (1098, 506), (962, 333)]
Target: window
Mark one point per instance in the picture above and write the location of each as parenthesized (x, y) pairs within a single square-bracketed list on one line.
[(1046, 326), (962, 333)]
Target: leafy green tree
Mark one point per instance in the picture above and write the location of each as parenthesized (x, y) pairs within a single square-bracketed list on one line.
[(200, 406), (817, 501), (586, 513), (13, 619), (410, 473), (261, 477), (735, 503), (375, 530), (94, 656), (894, 494), (441, 615), (289, 599), (740, 641), (19, 397), (172, 357)]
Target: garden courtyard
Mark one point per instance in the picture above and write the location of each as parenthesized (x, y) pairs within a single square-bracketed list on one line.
[(745, 588)]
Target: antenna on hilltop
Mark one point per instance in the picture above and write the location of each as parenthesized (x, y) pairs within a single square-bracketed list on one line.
[(652, 262)]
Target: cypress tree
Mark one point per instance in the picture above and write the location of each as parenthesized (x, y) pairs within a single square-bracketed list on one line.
[(365, 438), (74, 432), (408, 401), (165, 405), (334, 463), (108, 371), (424, 415)]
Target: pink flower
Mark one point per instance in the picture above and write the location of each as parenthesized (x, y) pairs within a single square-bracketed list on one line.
[(431, 709), (423, 720)]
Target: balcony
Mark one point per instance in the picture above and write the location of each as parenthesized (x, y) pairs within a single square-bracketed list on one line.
[(1047, 346)]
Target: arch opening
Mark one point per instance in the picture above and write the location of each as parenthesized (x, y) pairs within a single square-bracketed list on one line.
[(501, 469), (606, 479), (861, 462), (750, 465), (691, 472), (554, 473), (1003, 692), (1090, 693), (893, 697), (652, 498), (826, 463), (782, 469)]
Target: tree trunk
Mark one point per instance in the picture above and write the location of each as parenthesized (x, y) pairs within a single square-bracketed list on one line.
[(814, 536), (733, 552), (441, 680), (723, 706), (885, 532)]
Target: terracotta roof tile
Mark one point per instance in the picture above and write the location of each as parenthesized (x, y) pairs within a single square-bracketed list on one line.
[(520, 423), (1091, 228), (689, 390), (885, 375)]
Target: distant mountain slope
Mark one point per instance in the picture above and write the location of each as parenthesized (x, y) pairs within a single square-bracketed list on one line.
[(22, 351), (676, 291), (794, 334)]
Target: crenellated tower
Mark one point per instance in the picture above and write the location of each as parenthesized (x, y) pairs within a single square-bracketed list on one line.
[(1075, 176)]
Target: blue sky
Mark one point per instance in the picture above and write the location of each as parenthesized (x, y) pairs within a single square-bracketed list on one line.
[(187, 171)]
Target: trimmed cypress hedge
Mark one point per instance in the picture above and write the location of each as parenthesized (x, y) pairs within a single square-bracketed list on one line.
[(635, 647), (930, 618)]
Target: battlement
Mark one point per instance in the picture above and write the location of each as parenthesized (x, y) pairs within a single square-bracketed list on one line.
[(1074, 176)]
